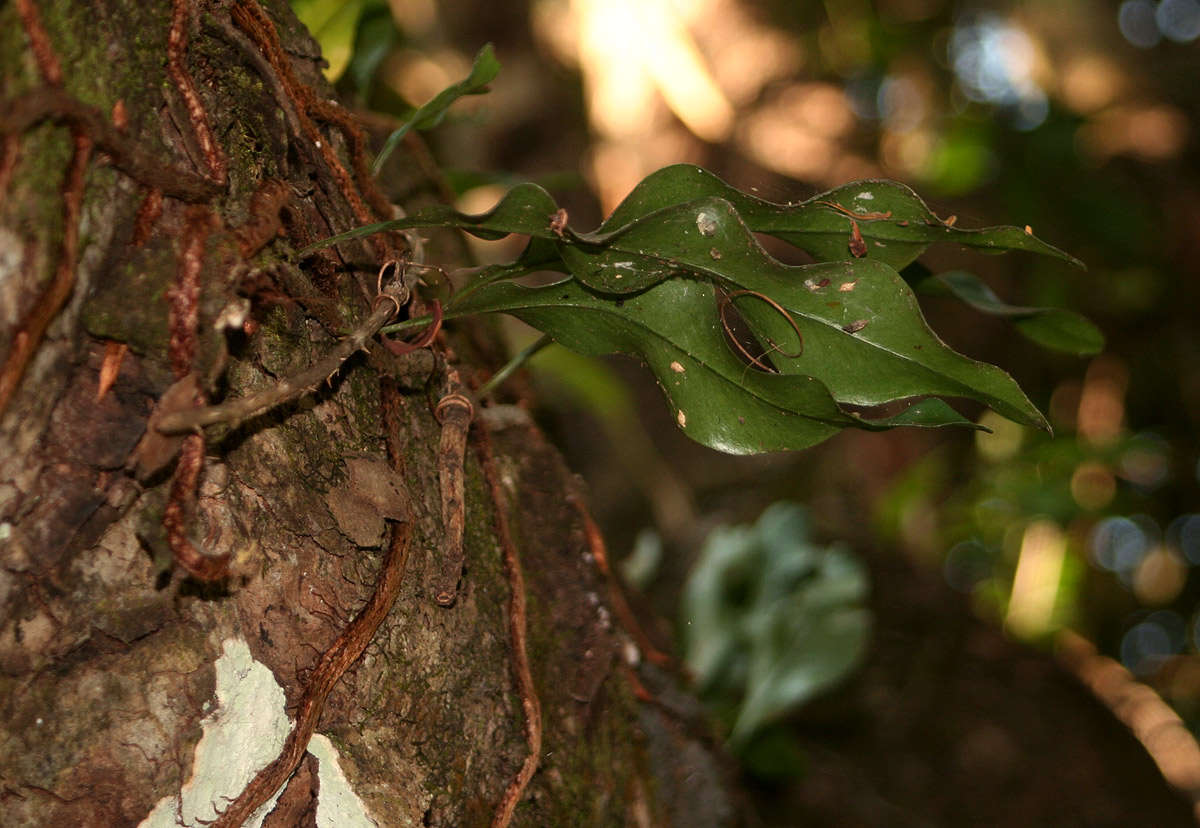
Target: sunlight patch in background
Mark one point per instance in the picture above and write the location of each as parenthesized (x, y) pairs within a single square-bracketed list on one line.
[(661, 77), (994, 61), (1036, 581)]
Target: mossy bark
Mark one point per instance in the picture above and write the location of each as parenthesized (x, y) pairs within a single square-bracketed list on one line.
[(107, 656)]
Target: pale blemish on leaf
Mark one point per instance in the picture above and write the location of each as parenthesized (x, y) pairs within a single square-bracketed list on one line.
[(677, 368)]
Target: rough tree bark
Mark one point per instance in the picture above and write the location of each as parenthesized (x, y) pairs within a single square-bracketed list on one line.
[(144, 143)]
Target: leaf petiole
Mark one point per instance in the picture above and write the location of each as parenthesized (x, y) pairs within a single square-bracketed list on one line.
[(518, 359)]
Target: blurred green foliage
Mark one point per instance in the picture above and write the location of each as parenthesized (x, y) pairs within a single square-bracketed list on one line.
[(770, 619)]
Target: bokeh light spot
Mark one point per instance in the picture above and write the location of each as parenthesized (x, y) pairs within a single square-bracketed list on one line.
[(1148, 643), (1184, 534), (1136, 21), (1004, 440), (1179, 20), (1118, 544), (1036, 581), (1145, 465), (1093, 485), (1159, 577), (994, 61), (967, 563)]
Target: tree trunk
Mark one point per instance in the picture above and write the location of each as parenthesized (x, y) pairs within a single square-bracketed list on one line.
[(130, 692)]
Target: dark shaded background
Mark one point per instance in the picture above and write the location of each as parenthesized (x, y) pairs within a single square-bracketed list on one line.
[(1076, 118)]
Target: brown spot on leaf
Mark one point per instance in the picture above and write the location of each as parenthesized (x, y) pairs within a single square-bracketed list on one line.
[(858, 247)]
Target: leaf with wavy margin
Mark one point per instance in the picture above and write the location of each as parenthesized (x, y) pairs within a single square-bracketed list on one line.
[(863, 333), (674, 328), (822, 229)]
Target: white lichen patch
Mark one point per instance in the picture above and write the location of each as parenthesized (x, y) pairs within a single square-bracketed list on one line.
[(865, 195), (241, 736), (338, 805)]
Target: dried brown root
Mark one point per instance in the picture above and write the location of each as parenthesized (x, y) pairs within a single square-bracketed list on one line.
[(454, 412), (33, 327), (517, 624), (52, 104), (330, 668)]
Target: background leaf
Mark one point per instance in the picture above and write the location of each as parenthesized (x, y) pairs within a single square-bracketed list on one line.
[(1056, 328), (430, 114), (333, 24), (771, 618)]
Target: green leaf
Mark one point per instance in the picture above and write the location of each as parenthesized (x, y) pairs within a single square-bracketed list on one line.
[(526, 208), (803, 645), (374, 40), (823, 230), (771, 617), (1055, 328), (429, 115), (674, 328), (333, 24), (864, 337)]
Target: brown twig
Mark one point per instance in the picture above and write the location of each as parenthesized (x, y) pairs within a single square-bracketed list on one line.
[(241, 409), (147, 216), (250, 18), (332, 665), (454, 412), (39, 43), (33, 328), (178, 512), (854, 215), (10, 150), (625, 616), (177, 42), (286, 390), (264, 221), (517, 634), (183, 300), (723, 305), (51, 103)]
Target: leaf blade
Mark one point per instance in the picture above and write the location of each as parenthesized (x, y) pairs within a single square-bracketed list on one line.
[(821, 225), (717, 400), (864, 335), (484, 70)]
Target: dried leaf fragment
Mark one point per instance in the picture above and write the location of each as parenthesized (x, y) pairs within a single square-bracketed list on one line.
[(858, 247), (110, 367)]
